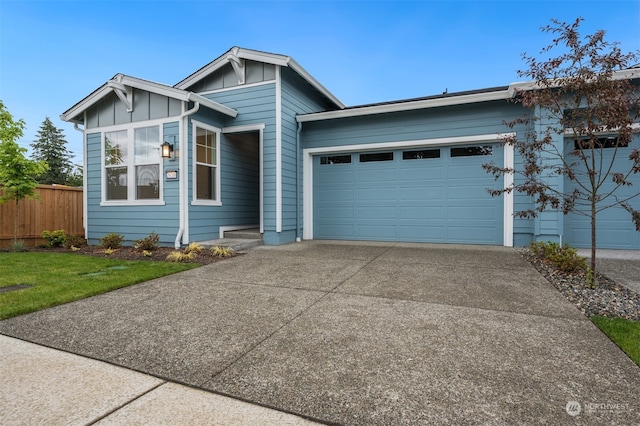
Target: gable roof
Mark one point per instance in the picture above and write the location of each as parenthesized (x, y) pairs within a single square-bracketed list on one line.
[(121, 83), (236, 53)]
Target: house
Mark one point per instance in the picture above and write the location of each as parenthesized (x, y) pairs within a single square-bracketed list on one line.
[(253, 140)]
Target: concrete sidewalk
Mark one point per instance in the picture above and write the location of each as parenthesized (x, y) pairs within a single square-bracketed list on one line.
[(350, 333), (622, 266)]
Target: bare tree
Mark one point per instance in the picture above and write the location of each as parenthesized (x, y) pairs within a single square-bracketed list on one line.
[(582, 111)]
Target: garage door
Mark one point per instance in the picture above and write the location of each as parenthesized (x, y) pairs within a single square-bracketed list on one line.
[(423, 195)]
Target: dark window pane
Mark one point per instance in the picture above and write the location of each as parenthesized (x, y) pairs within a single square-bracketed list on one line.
[(116, 183), (469, 151), (378, 156), (610, 142), (335, 159), (147, 182), (424, 153), (205, 178)]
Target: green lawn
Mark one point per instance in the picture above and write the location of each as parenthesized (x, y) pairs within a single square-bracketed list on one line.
[(58, 278), (624, 333)]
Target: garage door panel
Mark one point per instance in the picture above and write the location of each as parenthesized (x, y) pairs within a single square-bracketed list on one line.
[(377, 213), (376, 194), (337, 195), (376, 231), (422, 213), (422, 232), (419, 199), (416, 193)]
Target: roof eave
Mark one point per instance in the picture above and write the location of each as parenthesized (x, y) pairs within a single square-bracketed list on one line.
[(71, 114), (406, 106)]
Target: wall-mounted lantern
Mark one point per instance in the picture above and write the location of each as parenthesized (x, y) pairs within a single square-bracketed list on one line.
[(167, 150)]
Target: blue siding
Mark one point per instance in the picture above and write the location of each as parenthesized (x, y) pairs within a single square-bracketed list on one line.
[(614, 228), (134, 221), (463, 120), (239, 163), (298, 97)]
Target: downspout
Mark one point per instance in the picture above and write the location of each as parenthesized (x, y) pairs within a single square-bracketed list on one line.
[(184, 172), (84, 181), (298, 182)]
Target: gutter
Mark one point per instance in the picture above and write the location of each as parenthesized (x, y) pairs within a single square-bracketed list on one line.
[(184, 177)]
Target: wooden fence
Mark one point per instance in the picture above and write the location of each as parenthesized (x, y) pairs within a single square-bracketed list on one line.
[(59, 207)]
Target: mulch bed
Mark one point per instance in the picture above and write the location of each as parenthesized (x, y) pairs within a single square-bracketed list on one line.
[(608, 299), (128, 253)]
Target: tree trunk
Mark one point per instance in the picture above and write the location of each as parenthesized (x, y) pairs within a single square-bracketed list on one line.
[(593, 281), (15, 224)]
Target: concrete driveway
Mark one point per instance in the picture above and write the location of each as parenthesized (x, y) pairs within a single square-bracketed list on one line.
[(360, 333)]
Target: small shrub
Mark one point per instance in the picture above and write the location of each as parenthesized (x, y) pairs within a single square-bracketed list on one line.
[(179, 256), (109, 251), (17, 245), (112, 241), (148, 243), (76, 241), (147, 253), (194, 248), (218, 251), (563, 257), (55, 238)]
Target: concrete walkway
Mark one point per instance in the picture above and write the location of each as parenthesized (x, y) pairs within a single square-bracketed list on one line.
[(622, 266), (348, 333)]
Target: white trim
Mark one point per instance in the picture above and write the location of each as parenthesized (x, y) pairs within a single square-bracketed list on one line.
[(120, 82), (456, 140), (194, 189), (224, 229), (508, 227), (307, 169), (260, 129), (406, 106), (130, 128), (278, 150), (243, 128)]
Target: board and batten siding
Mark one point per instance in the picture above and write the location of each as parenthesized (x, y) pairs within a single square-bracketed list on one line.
[(146, 106), (239, 186)]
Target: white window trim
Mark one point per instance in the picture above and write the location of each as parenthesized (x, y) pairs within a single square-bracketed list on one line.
[(309, 153), (131, 188), (194, 190)]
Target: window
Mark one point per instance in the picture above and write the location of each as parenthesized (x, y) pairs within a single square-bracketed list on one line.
[(609, 142), (423, 153), (469, 151), (132, 178), (378, 156), (335, 159), (206, 164)]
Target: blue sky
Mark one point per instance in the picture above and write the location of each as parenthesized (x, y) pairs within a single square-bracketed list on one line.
[(54, 53)]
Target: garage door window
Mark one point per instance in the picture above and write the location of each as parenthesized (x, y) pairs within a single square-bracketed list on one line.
[(335, 159), (378, 156), (469, 151), (422, 154)]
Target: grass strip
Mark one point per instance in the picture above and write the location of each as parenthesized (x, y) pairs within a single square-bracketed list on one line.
[(624, 333), (57, 278)]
